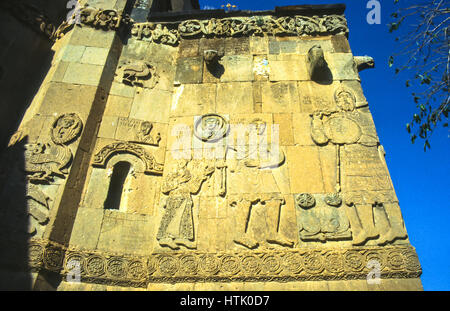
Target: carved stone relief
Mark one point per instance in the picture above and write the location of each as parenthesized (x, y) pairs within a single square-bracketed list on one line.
[(256, 161), (137, 73), (322, 222), (137, 131), (151, 165), (177, 224), (236, 26), (287, 265), (38, 208), (105, 19), (211, 127), (44, 161)]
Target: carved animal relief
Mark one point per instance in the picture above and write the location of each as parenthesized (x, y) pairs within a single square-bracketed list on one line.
[(137, 73)]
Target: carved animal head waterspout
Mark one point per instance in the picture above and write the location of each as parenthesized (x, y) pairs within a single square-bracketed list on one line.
[(317, 65), (211, 57), (364, 62)]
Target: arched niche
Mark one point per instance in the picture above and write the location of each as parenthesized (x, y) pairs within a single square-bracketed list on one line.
[(122, 184)]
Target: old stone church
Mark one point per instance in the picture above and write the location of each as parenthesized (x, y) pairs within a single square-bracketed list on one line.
[(152, 145)]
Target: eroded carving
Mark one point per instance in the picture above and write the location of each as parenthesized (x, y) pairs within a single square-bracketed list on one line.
[(38, 208), (317, 65), (137, 73), (137, 131), (177, 223), (286, 265), (321, 222), (211, 127), (364, 62), (66, 128), (105, 19)]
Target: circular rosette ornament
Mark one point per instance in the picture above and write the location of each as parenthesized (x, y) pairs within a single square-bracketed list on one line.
[(334, 263), (412, 261), (354, 261), (209, 264), (136, 270), (66, 128), (211, 127), (53, 258), (74, 262), (168, 265), (230, 265), (333, 199), (271, 264), (95, 265), (396, 260), (251, 265), (313, 262), (293, 263), (188, 265), (116, 267), (305, 200)]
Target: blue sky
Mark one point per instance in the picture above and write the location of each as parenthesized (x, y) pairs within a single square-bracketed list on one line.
[(421, 179)]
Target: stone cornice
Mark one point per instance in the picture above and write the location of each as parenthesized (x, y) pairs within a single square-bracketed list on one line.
[(305, 264), (171, 33)]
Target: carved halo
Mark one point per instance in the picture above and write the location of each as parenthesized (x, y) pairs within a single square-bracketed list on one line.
[(66, 128), (211, 127)]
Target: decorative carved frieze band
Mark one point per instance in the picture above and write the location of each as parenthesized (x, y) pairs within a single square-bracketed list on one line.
[(241, 26), (170, 33), (308, 264), (104, 19), (151, 166), (33, 17)]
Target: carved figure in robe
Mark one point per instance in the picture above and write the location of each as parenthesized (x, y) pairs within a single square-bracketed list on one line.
[(177, 223)]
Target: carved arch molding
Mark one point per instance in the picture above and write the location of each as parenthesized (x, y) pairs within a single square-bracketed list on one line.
[(282, 266)]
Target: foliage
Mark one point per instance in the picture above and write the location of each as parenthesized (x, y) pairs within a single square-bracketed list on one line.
[(425, 54)]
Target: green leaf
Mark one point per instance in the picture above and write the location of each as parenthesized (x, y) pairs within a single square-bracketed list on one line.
[(391, 61)]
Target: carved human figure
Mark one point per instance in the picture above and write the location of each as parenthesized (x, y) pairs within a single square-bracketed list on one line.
[(143, 134), (364, 185), (257, 157), (177, 224)]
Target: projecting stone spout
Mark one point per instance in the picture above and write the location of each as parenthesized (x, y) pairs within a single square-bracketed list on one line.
[(364, 62), (317, 65), (212, 58)]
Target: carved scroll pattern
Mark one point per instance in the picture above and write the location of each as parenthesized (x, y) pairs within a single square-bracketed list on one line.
[(151, 166), (302, 264), (236, 26)]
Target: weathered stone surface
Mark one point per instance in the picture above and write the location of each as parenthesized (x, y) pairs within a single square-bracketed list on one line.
[(189, 70), (193, 99), (84, 74), (234, 97), (280, 97), (162, 168), (152, 105), (287, 67), (237, 68)]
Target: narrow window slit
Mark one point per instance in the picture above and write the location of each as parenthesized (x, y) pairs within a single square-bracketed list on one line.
[(116, 185)]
